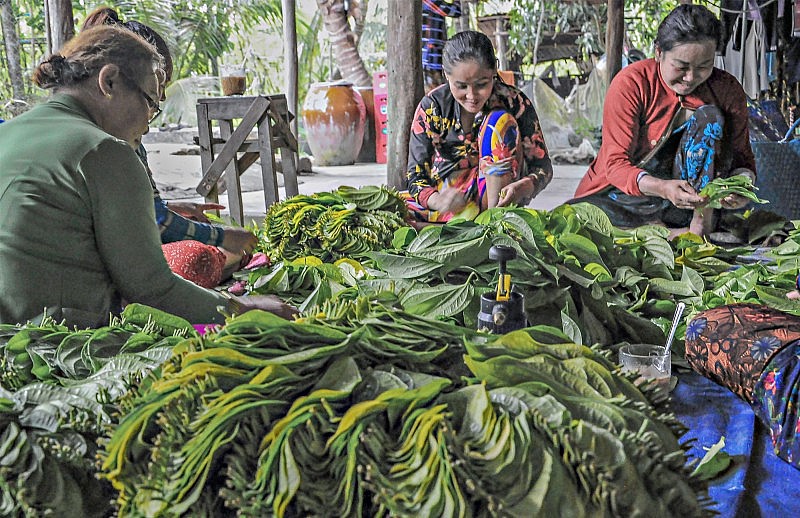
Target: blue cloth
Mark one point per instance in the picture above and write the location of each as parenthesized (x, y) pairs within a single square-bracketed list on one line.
[(758, 483), (434, 30), (173, 226)]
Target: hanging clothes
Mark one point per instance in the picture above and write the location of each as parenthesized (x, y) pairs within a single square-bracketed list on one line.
[(755, 75), (770, 12)]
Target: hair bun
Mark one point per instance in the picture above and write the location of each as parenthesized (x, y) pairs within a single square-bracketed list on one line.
[(56, 60), (50, 72)]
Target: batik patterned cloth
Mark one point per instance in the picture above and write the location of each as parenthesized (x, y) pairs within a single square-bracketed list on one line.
[(753, 351), (497, 141), (776, 400), (694, 161)]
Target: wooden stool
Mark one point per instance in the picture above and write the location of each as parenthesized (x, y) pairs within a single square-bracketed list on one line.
[(270, 115)]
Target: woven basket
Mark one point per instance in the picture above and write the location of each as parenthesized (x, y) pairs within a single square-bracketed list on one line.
[(778, 180), (778, 168)]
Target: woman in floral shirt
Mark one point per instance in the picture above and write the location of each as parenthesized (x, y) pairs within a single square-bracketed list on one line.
[(474, 128)]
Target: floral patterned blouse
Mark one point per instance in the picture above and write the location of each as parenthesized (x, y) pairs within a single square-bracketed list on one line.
[(439, 146)]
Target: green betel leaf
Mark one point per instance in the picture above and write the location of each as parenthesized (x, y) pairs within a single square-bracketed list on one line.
[(583, 248), (465, 253), (571, 328), (679, 288), (444, 300), (404, 267), (403, 236), (714, 462), (719, 188), (660, 249), (592, 214), (776, 298), (693, 279), (427, 237)]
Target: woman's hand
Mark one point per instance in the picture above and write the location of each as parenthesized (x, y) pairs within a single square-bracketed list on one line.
[(793, 295), (679, 192), (192, 210), (519, 192), (238, 240), (269, 303), (447, 200)]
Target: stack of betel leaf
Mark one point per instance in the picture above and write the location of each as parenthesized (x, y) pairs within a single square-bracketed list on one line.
[(58, 391), (331, 225), (362, 409)]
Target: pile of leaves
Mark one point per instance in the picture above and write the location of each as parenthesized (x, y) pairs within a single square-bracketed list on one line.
[(363, 409), (575, 270), (332, 225), (58, 391), (598, 283)]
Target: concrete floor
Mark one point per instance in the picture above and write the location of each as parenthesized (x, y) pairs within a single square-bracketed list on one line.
[(176, 168)]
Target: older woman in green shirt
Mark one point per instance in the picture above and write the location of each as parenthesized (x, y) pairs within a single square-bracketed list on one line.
[(78, 233)]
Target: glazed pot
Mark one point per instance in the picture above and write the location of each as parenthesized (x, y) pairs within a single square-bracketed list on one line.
[(334, 116)]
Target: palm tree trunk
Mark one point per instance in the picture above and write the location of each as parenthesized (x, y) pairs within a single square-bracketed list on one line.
[(11, 42), (343, 43)]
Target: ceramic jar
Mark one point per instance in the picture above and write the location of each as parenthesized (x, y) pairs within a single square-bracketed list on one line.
[(334, 116)]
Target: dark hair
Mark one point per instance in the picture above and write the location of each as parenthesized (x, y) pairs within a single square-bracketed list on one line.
[(688, 23), (108, 16), (468, 46), (92, 49)]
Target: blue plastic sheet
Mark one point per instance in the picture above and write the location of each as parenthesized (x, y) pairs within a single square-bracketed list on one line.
[(757, 483)]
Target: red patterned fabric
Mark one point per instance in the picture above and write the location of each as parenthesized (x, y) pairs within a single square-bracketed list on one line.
[(731, 345), (196, 262)]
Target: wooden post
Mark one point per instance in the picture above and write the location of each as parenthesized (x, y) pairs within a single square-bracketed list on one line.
[(59, 23), (463, 20), (500, 36), (404, 64), (290, 58), (615, 30)]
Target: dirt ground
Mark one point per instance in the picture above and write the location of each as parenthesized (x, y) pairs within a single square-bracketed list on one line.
[(177, 171)]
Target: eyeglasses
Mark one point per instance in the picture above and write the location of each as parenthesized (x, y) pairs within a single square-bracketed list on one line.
[(154, 106)]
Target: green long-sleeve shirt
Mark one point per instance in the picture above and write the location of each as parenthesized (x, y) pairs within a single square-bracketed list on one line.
[(77, 224)]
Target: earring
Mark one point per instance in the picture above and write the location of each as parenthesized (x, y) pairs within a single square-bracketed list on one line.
[(108, 96)]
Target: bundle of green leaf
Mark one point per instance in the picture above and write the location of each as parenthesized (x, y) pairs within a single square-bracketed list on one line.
[(720, 188), (170, 451), (331, 225), (576, 271), (305, 281), (52, 352), (359, 410), (766, 281), (59, 387)]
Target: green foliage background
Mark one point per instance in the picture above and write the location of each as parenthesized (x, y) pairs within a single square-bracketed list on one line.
[(202, 35)]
